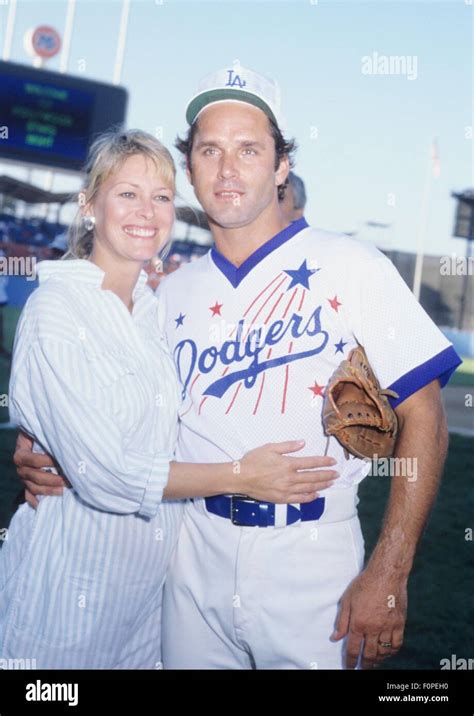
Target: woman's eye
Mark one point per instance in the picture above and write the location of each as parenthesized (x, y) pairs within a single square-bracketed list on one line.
[(163, 197), (127, 194)]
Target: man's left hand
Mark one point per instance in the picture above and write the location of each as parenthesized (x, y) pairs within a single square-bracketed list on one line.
[(372, 614)]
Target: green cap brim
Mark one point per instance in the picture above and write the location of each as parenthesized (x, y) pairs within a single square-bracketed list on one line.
[(217, 95)]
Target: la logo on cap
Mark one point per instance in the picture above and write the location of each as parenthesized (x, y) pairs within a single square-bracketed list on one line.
[(234, 80)]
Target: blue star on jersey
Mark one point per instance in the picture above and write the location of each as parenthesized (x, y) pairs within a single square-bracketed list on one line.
[(180, 319), (300, 276), (340, 346)]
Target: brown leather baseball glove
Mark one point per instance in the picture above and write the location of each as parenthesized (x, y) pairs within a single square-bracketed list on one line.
[(356, 410)]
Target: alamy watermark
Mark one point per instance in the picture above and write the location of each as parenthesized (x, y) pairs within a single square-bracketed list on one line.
[(17, 664), (394, 467), (456, 664), (456, 265), (222, 330), (395, 65), (18, 266), (43, 691)]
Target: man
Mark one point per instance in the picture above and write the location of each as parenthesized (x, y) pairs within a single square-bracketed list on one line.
[(293, 203), (257, 326)]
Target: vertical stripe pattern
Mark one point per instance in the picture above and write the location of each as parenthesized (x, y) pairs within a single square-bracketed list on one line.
[(81, 577)]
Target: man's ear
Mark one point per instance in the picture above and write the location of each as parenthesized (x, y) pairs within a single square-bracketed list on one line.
[(189, 172), (283, 170)]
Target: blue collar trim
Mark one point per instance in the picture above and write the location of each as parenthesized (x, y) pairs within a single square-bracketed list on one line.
[(236, 274)]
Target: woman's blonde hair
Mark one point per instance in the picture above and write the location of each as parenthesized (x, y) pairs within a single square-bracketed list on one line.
[(106, 155)]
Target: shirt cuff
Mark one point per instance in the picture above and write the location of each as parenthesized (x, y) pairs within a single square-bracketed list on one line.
[(154, 489), (440, 366), (153, 486)]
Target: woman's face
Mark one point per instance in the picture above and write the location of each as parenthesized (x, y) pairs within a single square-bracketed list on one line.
[(134, 211)]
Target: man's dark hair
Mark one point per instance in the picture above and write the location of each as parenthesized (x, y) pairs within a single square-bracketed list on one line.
[(282, 147)]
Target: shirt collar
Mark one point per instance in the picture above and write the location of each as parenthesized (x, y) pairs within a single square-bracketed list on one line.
[(235, 274), (83, 271)]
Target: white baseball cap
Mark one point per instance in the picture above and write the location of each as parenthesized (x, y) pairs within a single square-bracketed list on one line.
[(237, 84)]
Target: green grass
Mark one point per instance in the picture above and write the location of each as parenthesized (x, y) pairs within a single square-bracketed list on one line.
[(440, 614), (440, 605), (465, 373), (10, 486), (10, 318), (468, 365), (11, 315)]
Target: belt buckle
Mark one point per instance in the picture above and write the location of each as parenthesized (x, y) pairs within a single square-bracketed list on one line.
[(234, 509)]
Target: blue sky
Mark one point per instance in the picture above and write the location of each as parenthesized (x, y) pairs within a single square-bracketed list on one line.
[(363, 139)]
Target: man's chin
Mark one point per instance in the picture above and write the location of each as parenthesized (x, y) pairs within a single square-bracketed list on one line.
[(232, 218)]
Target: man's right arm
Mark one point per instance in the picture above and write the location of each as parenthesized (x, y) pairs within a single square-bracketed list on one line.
[(36, 480)]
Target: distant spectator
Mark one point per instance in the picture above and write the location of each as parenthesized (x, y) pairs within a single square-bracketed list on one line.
[(293, 203), (58, 246), (174, 261)]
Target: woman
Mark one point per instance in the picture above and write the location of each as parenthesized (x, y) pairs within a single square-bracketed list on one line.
[(95, 386)]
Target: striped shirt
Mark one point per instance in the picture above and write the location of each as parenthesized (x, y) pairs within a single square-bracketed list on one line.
[(95, 385)]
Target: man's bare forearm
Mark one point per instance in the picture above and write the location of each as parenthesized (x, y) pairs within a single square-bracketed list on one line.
[(423, 443)]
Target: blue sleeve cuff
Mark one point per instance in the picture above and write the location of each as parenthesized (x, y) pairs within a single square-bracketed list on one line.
[(441, 366)]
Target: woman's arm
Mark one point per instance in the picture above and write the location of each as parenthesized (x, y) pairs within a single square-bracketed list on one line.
[(265, 473), (52, 393)]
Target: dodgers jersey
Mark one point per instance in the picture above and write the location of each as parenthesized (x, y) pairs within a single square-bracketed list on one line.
[(254, 346)]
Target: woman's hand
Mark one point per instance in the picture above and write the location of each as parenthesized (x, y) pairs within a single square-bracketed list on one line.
[(267, 473)]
